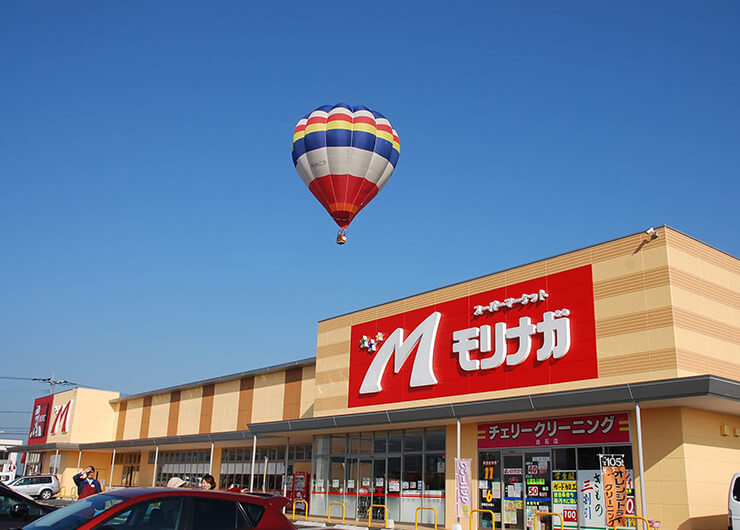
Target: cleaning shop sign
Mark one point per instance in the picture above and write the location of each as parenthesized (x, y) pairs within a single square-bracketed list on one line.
[(531, 333)]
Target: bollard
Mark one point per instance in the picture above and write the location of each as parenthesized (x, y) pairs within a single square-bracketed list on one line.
[(370, 513), (416, 516), (304, 502), (328, 516), (537, 517)]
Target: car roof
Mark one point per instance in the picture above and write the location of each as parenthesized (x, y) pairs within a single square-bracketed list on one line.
[(135, 493), (10, 491)]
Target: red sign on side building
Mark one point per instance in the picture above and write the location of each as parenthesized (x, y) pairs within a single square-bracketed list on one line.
[(40, 420), (575, 430), (532, 333)]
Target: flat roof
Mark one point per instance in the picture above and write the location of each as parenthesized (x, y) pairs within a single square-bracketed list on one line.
[(220, 379)]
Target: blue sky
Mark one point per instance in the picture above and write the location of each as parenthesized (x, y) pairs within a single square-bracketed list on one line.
[(154, 230)]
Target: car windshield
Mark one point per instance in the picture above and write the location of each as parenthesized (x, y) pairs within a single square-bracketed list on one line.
[(76, 514)]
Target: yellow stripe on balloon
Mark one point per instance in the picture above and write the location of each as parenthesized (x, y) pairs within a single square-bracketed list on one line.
[(297, 136), (315, 127), (385, 136), (397, 146), (364, 127)]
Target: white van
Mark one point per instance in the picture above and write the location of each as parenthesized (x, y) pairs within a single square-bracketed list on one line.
[(733, 504)]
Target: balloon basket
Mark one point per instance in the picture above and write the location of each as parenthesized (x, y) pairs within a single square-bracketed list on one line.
[(341, 237)]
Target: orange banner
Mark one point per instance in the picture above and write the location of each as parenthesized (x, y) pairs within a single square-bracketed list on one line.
[(614, 476)]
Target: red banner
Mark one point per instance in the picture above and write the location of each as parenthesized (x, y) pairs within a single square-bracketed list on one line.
[(576, 430), (532, 333), (40, 420)]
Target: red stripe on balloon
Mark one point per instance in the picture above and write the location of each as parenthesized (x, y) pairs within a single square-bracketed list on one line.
[(333, 190)]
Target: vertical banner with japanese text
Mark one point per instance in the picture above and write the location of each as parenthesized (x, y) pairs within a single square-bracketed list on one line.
[(463, 486), (614, 477)]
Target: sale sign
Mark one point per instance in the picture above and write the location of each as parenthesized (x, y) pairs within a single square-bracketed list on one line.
[(614, 479), (537, 332)]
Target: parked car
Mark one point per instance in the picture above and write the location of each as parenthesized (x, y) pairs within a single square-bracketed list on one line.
[(6, 477), (733, 503), (42, 486), (17, 510), (168, 509)]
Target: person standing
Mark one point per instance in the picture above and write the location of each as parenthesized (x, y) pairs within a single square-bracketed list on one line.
[(86, 483)]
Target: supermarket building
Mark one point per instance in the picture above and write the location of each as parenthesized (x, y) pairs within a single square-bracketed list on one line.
[(628, 347)]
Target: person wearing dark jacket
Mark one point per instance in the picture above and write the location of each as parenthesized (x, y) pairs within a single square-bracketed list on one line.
[(86, 483)]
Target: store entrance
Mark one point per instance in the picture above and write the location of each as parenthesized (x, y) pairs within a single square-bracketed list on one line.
[(513, 491), (517, 486)]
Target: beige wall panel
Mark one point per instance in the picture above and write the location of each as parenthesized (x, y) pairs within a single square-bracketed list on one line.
[(698, 363), (700, 324), (133, 419), (712, 272), (453, 292), (634, 302), (308, 391), (334, 349), (692, 341), (225, 406), (711, 460), (649, 340), (268, 397), (631, 283), (487, 283), (719, 310), (417, 302), (333, 336), (526, 272), (333, 376), (189, 418), (705, 289), (628, 264), (337, 322), (704, 252), (568, 261), (159, 415), (632, 322), (385, 310)]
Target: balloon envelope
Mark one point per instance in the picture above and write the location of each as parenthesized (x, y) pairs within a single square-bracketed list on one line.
[(345, 155)]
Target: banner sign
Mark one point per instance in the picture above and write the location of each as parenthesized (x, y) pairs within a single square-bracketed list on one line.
[(614, 478), (575, 430), (40, 420), (464, 486), (532, 333)]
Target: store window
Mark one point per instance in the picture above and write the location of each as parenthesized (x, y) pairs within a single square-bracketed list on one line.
[(129, 473), (402, 470), (236, 466), (188, 465)]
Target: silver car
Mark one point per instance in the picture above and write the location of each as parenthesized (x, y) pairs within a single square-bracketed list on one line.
[(43, 486)]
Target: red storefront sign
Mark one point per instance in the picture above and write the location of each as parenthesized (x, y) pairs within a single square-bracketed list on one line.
[(532, 333), (40, 420), (575, 430)]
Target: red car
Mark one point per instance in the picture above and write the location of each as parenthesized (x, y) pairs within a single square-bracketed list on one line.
[(168, 509)]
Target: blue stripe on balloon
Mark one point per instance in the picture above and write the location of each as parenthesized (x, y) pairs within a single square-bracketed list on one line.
[(394, 157), (299, 148), (315, 140), (338, 138), (384, 148), (363, 140)]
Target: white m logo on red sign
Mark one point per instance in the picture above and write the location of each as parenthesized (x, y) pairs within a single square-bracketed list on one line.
[(422, 373), (61, 422)]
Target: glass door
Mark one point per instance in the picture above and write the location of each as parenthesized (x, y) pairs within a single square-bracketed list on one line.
[(489, 476), (537, 487), (513, 495), (364, 488), (378, 487)]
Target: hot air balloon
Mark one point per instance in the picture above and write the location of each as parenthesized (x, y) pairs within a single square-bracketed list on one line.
[(345, 155)]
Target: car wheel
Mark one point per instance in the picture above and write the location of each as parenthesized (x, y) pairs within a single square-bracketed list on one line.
[(46, 495)]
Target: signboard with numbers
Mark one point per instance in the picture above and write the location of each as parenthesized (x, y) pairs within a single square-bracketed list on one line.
[(575, 430)]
